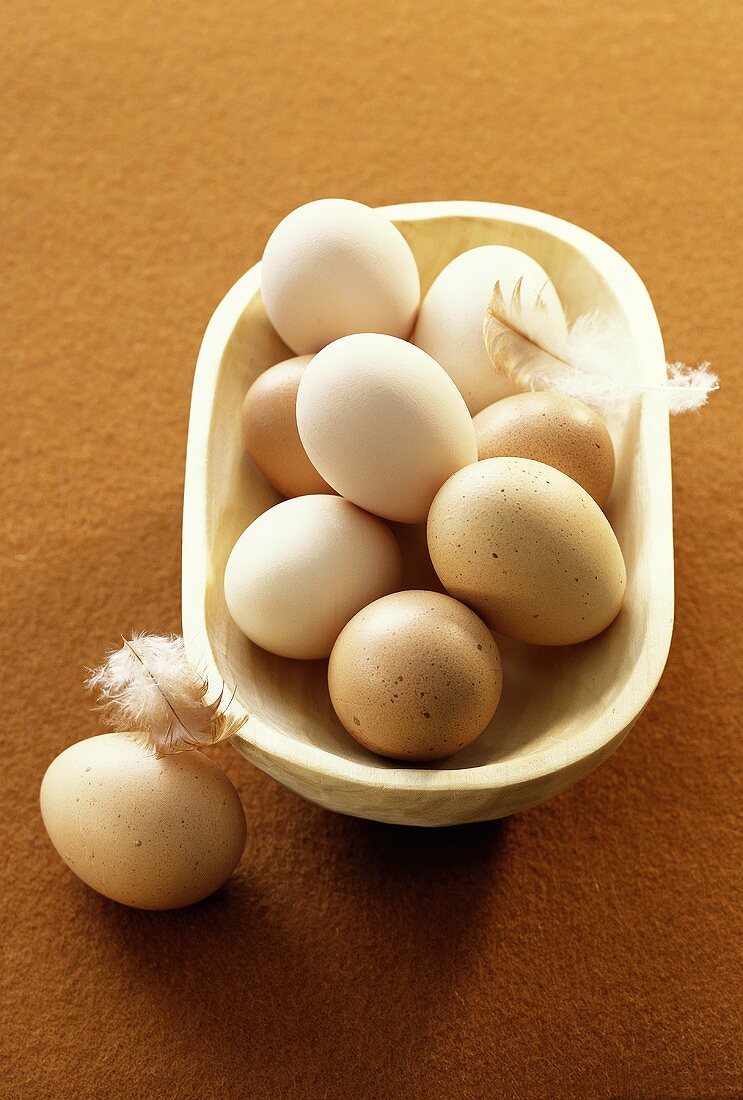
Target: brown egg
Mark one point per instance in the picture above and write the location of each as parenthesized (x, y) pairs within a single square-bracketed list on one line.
[(154, 832), (529, 549), (548, 427), (269, 425), (415, 676)]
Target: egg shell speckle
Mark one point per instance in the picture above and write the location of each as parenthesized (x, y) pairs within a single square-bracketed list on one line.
[(529, 549), (415, 676), (269, 426), (551, 428), (147, 831)]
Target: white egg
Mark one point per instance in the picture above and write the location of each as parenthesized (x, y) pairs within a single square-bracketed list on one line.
[(154, 832), (334, 267), (303, 569), (383, 424), (450, 322)]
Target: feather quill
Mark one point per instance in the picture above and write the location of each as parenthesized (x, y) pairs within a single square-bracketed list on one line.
[(148, 688), (531, 342)]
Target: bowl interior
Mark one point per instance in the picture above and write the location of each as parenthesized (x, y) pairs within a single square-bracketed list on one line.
[(550, 695)]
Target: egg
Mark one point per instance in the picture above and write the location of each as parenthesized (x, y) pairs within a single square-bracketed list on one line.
[(154, 832), (452, 313), (548, 427), (383, 424), (529, 549), (415, 676), (334, 267), (269, 425), (304, 568)]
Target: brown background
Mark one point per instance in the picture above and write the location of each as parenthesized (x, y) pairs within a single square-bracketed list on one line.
[(584, 949)]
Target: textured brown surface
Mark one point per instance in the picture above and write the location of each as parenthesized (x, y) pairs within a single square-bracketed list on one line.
[(584, 949)]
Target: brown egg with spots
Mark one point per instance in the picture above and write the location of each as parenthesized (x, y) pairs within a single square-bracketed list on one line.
[(269, 426), (551, 428), (415, 676), (528, 549), (153, 832)]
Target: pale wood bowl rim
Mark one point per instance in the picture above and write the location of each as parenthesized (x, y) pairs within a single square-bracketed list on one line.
[(637, 690)]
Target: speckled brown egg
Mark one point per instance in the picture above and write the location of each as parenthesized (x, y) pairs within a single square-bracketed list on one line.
[(154, 832), (269, 426), (415, 676), (551, 428), (529, 549)]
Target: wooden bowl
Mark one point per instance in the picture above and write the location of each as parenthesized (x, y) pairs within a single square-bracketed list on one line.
[(563, 711)]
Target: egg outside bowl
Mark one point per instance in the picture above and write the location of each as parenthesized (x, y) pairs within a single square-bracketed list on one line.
[(563, 711)]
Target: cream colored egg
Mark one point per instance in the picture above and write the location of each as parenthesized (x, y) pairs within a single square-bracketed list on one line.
[(548, 427), (452, 313), (303, 569), (415, 676), (148, 831), (269, 424), (334, 267), (529, 549), (383, 424)]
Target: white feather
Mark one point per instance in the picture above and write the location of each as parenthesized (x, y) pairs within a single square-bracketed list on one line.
[(689, 388), (531, 343), (149, 689), (526, 338)]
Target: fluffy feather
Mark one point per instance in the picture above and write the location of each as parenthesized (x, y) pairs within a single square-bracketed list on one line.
[(688, 387), (149, 689), (525, 338), (532, 344)]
